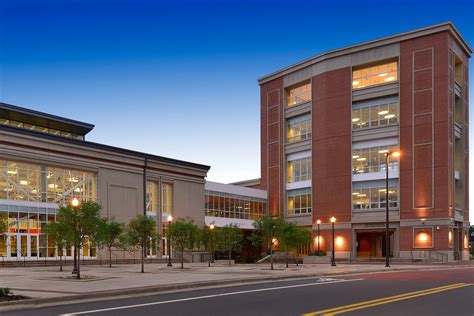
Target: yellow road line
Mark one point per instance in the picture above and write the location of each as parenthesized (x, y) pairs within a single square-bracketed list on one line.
[(395, 300), (360, 305)]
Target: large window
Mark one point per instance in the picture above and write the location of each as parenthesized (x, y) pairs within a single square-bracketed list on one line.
[(371, 195), (369, 160), (299, 94), (167, 198), (299, 170), (299, 201), (374, 75), (376, 113), (31, 182), (41, 129), (152, 196), (227, 205), (299, 128)]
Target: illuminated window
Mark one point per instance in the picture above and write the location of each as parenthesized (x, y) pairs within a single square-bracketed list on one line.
[(371, 195), (375, 113), (300, 94), (152, 196), (299, 201), (369, 160), (167, 198), (42, 129), (219, 204), (299, 128), (374, 75), (38, 183), (299, 170)]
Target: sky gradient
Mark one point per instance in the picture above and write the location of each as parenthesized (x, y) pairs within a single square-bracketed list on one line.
[(178, 78)]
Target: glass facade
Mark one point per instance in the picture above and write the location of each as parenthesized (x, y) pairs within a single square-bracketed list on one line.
[(39, 183), (41, 129), (371, 195), (369, 160), (299, 170), (374, 75), (26, 236), (227, 205), (382, 114), (299, 128), (167, 198), (299, 201), (300, 94), (152, 196)]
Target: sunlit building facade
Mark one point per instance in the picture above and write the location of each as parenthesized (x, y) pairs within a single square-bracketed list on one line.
[(327, 123)]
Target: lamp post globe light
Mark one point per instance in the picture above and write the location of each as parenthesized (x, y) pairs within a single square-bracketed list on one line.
[(319, 235), (388, 154), (170, 219), (333, 259)]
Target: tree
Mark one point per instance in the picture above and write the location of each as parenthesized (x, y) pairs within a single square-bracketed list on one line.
[(229, 238), (207, 236), (139, 232), (183, 235), (291, 237), (108, 235), (58, 232), (266, 229), (3, 223), (79, 222)]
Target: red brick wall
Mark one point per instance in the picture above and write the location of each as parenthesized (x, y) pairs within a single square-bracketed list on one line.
[(271, 142), (424, 128), (331, 152)]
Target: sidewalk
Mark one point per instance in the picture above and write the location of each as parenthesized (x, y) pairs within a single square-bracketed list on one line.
[(48, 283)]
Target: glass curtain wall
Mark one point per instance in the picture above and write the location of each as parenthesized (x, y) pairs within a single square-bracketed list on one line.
[(367, 160), (227, 205), (371, 195)]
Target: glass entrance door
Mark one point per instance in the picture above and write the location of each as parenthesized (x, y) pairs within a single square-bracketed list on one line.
[(13, 245), (23, 245)]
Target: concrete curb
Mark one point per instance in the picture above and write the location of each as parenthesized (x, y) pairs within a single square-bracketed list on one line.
[(101, 295)]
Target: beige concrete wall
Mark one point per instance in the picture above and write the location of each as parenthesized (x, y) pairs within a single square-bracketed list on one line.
[(120, 193), (188, 199)]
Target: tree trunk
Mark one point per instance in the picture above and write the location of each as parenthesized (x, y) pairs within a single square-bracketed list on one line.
[(61, 263), (110, 257), (75, 255), (230, 256), (287, 257), (182, 259), (142, 258)]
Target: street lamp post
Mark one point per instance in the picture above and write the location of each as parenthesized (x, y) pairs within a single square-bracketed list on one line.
[(319, 236), (333, 258), (75, 270), (211, 241), (170, 218), (387, 207)]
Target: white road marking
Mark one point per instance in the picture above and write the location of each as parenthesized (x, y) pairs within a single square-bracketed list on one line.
[(205, 297)]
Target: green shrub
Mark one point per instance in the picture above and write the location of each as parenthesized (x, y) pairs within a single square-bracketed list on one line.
[(4, 291), (319, 254)]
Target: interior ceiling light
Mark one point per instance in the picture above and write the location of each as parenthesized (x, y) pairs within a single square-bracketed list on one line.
[(361, 159), (355, 83), (355, 119), (382, 112), (391, 78), (383, 151), (12, 172), (355, 156), (389, 116), (355, 193), (383, 74), (23, 182), (362, 195)]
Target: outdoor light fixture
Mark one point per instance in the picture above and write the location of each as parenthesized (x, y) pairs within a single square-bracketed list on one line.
[(388, 154), (333, 258), (75, 202), (170, 218), (319, 235)]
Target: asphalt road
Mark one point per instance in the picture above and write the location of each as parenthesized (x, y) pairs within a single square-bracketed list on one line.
[(431, 292)]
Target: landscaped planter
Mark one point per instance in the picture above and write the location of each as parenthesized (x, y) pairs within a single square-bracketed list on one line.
[(316, 259)]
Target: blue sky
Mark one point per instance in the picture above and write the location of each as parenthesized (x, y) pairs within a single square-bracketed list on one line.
[(178, 78)]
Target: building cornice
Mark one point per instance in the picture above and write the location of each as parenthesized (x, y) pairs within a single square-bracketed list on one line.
[(442, 27)]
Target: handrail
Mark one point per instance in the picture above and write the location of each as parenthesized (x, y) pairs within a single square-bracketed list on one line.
[(429, 254)]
